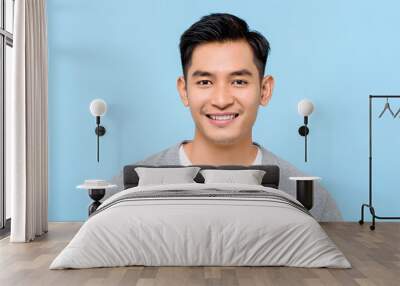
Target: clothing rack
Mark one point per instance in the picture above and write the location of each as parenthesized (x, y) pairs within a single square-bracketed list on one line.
[(369, 205)]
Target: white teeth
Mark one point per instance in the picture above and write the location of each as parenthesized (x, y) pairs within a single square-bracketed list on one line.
[(222, 117)]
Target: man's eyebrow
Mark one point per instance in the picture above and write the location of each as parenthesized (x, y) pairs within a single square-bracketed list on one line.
[(200, 73), (242, 72)]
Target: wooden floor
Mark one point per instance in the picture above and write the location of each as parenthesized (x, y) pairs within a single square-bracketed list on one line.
[(374, 255)]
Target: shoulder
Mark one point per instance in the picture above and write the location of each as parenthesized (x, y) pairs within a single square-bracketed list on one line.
[(269, 158), (324, 209), (168, 156)]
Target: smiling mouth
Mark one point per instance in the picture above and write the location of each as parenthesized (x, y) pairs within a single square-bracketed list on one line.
[(225, 117)]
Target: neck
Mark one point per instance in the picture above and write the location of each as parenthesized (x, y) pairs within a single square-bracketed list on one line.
[(202, 151)]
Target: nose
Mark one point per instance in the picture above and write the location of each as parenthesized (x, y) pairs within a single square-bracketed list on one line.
[(222, 97)]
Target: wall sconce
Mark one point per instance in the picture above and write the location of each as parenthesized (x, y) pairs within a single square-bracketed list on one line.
[(305, 108), (98, 107)]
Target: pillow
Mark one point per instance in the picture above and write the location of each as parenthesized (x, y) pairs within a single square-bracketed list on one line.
[(162, 176), (249, 177)]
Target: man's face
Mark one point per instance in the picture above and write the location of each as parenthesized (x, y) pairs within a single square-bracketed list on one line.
[(223, 90)]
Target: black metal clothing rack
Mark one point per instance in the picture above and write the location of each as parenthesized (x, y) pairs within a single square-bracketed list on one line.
[(369, 205)]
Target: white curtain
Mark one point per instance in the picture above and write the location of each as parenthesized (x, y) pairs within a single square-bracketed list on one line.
[(26, 121)]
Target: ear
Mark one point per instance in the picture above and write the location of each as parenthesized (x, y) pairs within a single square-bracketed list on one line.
[(181, 86), (267, 85)]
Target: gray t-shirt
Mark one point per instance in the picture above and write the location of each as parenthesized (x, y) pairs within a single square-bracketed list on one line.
[(324, 209)]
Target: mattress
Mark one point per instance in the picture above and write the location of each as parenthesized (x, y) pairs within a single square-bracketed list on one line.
[(201, 225)]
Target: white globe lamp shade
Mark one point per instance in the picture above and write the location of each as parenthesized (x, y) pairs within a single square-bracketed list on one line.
[(305, 107), (98, 107)]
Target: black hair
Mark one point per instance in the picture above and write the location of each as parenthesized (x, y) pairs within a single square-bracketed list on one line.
[(221, 27)]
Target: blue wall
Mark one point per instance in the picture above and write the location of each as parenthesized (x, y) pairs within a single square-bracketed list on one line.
[(335, 53)]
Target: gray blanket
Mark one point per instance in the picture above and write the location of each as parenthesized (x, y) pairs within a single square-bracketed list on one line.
[(206, 194), (198, 224)]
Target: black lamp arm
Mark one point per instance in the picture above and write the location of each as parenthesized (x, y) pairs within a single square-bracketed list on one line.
[(303, 131), (100, 131)]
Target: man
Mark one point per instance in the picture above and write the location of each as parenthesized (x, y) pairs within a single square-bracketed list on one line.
[(223, 84)]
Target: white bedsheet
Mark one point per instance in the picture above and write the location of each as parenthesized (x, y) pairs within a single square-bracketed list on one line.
[(200, 231)]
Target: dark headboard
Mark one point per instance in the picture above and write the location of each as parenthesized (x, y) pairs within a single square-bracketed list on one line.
[(270, 179)]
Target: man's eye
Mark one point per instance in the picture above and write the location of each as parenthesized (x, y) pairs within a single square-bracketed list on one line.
[(204, 82), (239, 82)]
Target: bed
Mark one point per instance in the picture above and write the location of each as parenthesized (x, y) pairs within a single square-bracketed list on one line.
[(201, 223)]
